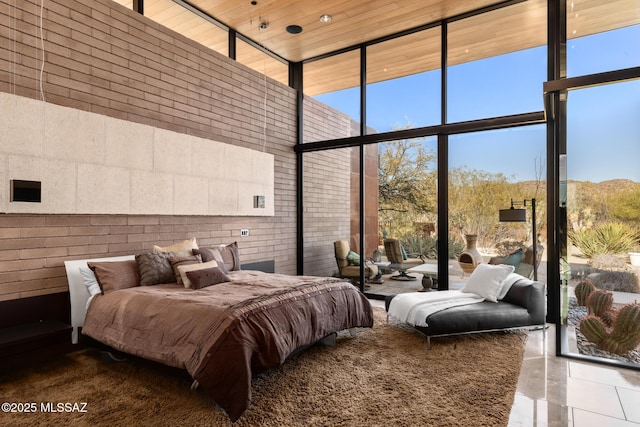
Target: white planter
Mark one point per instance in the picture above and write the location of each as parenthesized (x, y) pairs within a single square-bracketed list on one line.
[(634, 257)]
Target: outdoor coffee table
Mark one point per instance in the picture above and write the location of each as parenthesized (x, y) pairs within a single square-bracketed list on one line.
[(429, 275)]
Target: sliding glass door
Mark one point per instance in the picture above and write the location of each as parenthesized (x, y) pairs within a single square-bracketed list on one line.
[(594, 117)]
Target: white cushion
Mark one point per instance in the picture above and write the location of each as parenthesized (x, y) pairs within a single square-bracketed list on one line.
[(486, 280)]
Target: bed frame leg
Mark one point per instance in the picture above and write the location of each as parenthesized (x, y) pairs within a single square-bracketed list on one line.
[(108, 357), (428, 343), (329, 340), (195, 384)]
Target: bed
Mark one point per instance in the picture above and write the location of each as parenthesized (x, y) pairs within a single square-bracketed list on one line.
[(221, 335)]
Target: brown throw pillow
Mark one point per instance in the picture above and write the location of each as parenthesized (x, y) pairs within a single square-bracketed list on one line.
[(207, 277), (228, 253), (114, 275), (177, 262), (155, 268), (212, 254)]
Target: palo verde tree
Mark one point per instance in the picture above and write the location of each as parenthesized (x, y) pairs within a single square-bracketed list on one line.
[(407, 185)]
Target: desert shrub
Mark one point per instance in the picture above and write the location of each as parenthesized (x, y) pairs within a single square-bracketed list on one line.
[(605, 238), (425, 245), (456, 246), (618, 281), (428, 246)]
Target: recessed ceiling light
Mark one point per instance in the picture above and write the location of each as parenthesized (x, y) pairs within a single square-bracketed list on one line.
[(294, 29), (326, 18)]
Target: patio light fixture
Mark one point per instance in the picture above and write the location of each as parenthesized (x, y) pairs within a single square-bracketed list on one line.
[(520, 215)]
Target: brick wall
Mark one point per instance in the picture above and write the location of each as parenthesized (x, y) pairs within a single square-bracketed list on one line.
[(104, 58)]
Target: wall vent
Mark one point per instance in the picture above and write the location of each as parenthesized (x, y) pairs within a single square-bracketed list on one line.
[(26, 191)]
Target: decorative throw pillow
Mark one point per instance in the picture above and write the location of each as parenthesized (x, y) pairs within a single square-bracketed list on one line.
[(207, 277), (185, 268), (228, 253), (353, 258), (155, 268), (212, 254), (180, 249), (114, 275), (177, 262), (486, 280), (514, 258)]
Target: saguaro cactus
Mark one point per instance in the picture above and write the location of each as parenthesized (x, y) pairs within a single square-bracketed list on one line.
[(625, 335), (583, 290)]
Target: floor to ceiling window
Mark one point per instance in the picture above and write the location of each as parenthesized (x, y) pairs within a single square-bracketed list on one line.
[(406, 211), (328, 196), (490, 73), (403, 82), (332, 82), (600, 183), (487, 171), (499, 71)]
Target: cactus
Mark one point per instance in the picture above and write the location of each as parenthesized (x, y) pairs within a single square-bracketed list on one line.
[(600, 304), (583, 290), (625, 335), (593, 329), (626, 331)]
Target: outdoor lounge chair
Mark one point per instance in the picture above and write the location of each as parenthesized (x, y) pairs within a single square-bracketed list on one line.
[(399, 261), (350, 268)]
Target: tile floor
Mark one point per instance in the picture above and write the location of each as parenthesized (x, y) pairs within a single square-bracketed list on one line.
[(557, 391)]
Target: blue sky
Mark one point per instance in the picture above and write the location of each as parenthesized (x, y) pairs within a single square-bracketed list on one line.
[(603, 122)]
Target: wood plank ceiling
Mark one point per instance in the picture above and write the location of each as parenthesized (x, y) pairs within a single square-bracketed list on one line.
[(354, 22)]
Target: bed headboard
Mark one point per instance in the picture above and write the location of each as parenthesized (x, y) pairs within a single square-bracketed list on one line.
[(78, 292)]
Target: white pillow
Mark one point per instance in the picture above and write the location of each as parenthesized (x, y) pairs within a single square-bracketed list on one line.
[(507, 283), (193, 267), (90, 282), (486, 280)]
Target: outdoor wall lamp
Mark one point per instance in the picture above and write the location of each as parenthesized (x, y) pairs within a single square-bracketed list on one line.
[(520, 215)]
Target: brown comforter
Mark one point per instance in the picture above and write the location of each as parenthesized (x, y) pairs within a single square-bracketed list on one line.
[(223, 333)]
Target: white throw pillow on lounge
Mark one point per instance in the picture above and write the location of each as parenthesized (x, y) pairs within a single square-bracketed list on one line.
[(486, 280)]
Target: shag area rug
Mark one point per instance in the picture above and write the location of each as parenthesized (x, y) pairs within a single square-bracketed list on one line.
[(384, 376)]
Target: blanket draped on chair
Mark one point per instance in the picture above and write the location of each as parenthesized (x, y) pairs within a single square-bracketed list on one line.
[(415, 308)]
